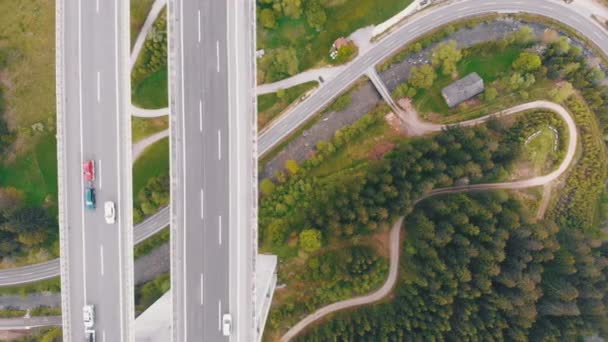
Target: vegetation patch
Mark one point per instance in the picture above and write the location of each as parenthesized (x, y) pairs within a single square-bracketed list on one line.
[(48, 285), (139, 13), (153, 162), (273, 104), (298, 35), (145, 127), (11, 312), (151, 92), (45, 311), (148, 293), (149, 74), (470, 255), (467, 256), (151, 243), (322, 278)]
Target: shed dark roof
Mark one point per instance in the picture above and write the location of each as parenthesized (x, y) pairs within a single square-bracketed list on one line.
[(463, 89)]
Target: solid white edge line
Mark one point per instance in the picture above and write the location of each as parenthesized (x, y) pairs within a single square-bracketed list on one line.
[(219, 144), (101, 258), (99, 172), (97, 6)]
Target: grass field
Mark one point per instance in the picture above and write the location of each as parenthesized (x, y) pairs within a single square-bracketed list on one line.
[(539, 151), (34, 172), (343, 18), (488, 63), (153, 162), (151, 92), (27, 31), (143, 127), (270, 105), (139, 12)]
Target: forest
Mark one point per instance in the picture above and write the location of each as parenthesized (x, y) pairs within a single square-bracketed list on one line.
[(478, 267), (473, 267)]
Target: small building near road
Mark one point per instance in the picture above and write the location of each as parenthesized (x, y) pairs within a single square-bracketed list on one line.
[(463, 89)]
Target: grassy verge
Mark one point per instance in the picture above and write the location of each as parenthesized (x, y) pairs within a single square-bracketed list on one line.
[(343, 17), (271, 105), (139, 12), (48, 285), (336, 104), (151, 92), (151, 243), (153, 162), (45, 311), (12, 313), (359, 150), (144, 127), (148, 293)]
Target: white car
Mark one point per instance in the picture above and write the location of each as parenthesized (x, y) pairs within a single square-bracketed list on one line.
[(226, 324), (109, 212), (88, 316)]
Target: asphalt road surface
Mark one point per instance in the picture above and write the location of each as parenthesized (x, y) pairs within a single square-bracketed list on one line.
[(415, 27), (94, 124), (51, 268), (214, 168), (200, 131)]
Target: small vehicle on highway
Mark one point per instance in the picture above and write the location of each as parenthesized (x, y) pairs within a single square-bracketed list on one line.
[(226, 324), (88, 316), (89, 198), (109, 212), (88, 169)]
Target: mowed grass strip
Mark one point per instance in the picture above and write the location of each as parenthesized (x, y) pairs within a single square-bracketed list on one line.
[(270, 105), (151, 92), (153, 162), (343, 18), (144, 127)]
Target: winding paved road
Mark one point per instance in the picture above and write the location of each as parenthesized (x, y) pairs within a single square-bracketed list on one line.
[(396, 230)]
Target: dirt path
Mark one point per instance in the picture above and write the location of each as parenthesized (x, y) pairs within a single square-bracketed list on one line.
[(423, 128)]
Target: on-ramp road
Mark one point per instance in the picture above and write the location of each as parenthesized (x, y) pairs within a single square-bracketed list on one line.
[(395, 232)]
